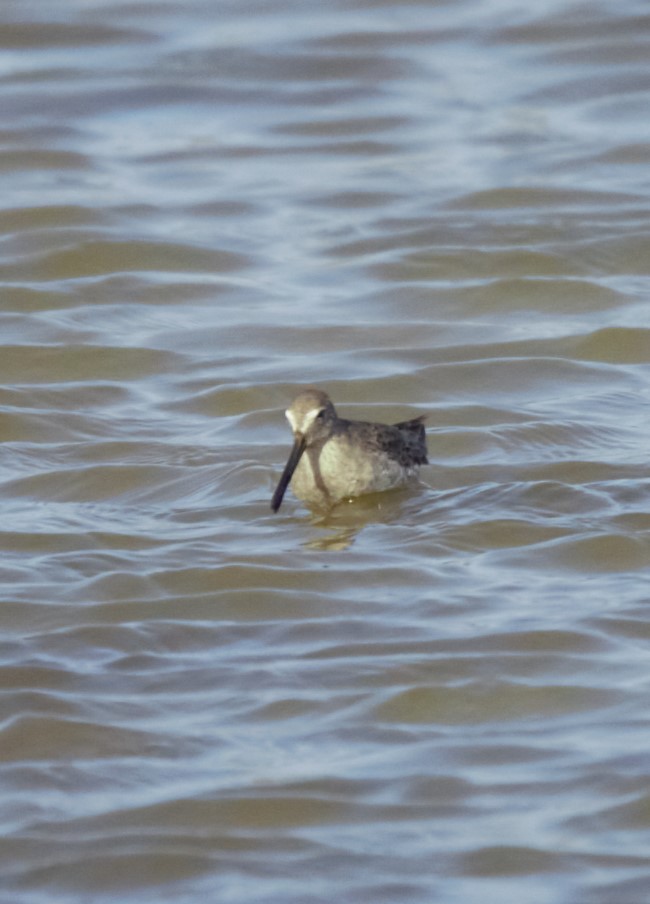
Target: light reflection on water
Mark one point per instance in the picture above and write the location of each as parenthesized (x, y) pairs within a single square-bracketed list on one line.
[(438, 693)]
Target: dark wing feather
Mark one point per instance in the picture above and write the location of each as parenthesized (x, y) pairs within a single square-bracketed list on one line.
[(404, 442)]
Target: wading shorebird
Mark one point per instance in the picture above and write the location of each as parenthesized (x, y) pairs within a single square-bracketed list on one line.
[(334, 459)]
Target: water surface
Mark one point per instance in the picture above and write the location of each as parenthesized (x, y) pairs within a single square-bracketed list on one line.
[(440, 694)]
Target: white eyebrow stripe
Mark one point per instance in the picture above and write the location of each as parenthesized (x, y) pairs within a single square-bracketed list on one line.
[(311, 416), (307, 420)]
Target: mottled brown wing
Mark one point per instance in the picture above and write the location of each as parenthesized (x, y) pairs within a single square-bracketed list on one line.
[(404, 443), (414, 438)]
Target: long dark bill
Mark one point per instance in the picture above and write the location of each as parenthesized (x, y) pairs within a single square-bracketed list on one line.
[(287, 474)]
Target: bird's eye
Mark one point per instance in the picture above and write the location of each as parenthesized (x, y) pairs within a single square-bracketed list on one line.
[(321, 414)]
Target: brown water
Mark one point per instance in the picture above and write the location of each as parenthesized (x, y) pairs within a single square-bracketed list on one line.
[(438, 695)]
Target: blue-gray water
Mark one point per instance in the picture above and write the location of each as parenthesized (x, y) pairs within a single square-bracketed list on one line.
[(436, 695)]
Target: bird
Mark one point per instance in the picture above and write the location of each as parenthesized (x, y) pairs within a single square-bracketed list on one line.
[(334, 458)]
